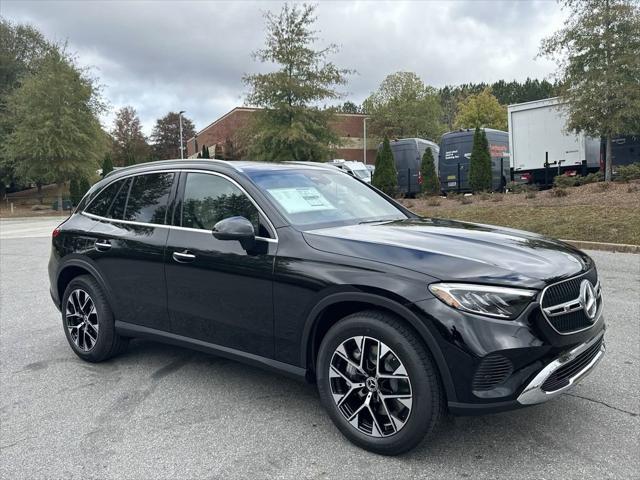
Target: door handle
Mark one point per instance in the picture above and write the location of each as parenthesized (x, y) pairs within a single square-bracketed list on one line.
[(102, 245), (183, 257)]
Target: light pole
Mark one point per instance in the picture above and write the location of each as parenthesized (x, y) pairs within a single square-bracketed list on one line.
[(181, 147), (364, 123)]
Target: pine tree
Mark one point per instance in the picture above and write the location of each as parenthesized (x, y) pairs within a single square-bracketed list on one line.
[(74, 192), (430, 181), (385, 176), (83, 186), (291, 124), (205, 152), (480, 163), (107, 165)]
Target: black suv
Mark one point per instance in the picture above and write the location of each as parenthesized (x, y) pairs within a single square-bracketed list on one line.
[(304, 269)]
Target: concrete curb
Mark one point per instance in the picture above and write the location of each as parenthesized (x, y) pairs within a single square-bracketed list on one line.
[(608, 247)]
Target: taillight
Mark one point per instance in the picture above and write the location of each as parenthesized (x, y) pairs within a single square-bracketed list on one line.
[(55, 233)]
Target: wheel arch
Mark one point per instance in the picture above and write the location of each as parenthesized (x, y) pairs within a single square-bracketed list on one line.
[(331, 309), (73, 268)]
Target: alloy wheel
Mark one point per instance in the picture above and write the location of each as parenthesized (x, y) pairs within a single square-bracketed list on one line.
[(370, 386), (82, 320)]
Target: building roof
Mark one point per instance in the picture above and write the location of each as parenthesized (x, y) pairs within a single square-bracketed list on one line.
[(255, 109)]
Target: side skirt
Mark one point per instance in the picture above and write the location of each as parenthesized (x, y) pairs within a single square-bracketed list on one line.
[(132, 330)]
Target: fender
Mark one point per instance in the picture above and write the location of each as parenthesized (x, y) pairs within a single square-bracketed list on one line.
[(393, 306), (86, 264)]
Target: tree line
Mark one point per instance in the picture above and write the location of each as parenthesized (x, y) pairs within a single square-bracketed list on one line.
[(49, 106)]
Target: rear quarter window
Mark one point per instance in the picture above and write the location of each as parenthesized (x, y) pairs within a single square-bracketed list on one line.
[(101, 204)]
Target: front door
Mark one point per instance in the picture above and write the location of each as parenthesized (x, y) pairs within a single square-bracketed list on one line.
[(219, 292)]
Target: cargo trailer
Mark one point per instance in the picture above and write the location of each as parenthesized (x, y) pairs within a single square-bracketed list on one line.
[(541, 147)]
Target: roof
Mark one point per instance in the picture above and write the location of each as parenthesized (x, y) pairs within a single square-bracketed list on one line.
[(469, 131), (543, 102), (415, 141), (238, 165), (255, 109)]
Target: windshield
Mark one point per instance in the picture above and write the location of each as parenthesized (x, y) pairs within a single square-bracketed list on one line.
[(317, 198)]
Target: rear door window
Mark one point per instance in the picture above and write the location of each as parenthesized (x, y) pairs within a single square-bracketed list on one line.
[(148, 198), (101, 205)]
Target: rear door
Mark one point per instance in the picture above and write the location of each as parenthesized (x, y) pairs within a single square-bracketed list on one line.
[(218, 292), (128, 245)]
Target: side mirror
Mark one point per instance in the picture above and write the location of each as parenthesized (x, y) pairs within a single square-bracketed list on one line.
[(235, 228)]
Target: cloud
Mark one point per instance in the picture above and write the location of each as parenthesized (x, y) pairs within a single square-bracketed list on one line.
[(162, 56)]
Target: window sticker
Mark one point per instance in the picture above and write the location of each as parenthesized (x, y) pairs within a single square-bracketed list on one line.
[(301, 199)]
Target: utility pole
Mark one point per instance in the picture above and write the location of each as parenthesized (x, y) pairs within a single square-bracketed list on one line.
[(364, 122), (181, 147)]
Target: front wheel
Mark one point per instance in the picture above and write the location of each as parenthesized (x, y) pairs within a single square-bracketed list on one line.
[(378, 383)]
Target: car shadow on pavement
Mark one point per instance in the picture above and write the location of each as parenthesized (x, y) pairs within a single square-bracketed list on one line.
[(535, 430)]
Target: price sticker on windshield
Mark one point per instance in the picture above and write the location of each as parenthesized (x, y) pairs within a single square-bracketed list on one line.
[(300, 200)]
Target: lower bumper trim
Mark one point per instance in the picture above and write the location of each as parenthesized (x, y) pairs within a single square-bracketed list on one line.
[(534, 393)]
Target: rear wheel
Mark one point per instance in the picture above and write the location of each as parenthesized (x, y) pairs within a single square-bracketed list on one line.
[(378, 383), (88, 321)]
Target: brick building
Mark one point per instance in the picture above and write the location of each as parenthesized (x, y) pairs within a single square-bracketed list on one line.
[(348, 126)]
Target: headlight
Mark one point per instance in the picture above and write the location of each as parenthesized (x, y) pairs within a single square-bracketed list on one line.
[(498, 302)]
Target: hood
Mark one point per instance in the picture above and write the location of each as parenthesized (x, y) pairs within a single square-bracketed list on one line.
[(456, 251)]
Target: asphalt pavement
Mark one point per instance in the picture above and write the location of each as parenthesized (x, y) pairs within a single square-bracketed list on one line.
[(165, 412)]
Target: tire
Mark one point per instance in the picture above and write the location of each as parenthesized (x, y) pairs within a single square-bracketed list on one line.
[(388, 424), (88, 322)]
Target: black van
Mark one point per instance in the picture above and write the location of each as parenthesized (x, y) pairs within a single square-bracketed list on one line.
[(455, 155), (407, 153)]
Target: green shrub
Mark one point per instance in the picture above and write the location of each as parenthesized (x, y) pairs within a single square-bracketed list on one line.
[(430, 181), (107, 165), (590, 178), (514, 187), (451, 195), (74, 191), (628, 172), (564, 181), (385, 176), (480, 163)]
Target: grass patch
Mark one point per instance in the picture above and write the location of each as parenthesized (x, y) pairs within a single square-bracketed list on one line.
[(572, 222)]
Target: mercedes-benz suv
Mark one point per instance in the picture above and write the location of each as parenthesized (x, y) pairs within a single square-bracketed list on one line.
[(304, 269)]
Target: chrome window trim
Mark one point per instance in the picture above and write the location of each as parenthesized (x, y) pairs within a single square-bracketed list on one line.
[(598, 288), (117, 180), (177, 227)]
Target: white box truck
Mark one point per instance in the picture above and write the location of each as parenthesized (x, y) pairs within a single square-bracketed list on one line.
[(538, 135)]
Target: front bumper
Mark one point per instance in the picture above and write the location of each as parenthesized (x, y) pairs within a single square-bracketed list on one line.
[(564, 372), (495, 366)]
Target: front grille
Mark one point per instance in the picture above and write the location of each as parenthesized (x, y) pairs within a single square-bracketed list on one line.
[(493, 370), (567, 291), (560, 378)]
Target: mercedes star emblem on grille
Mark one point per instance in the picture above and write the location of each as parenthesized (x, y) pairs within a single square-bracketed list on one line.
[(588, 299)]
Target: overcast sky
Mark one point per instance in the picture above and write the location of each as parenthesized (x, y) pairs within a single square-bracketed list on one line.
[(179, 55)]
